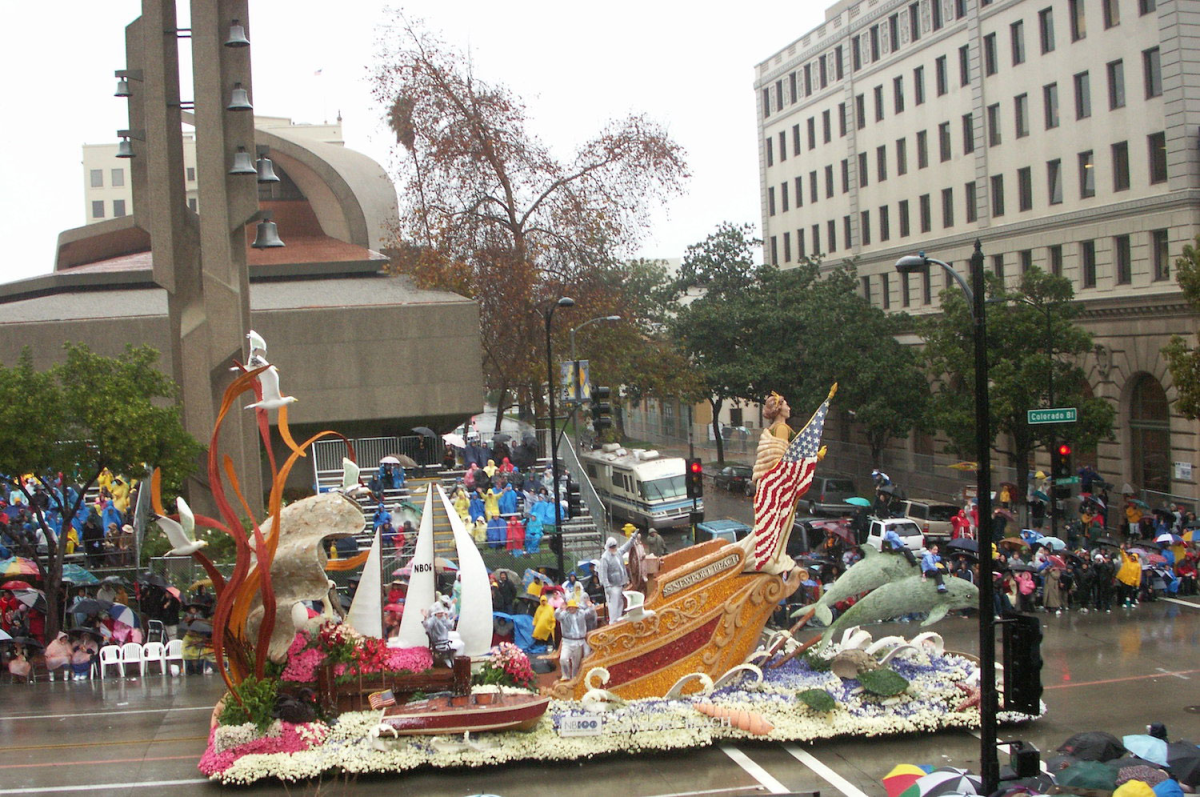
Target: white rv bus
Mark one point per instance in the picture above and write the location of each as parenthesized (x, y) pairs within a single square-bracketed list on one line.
[(640, 486)]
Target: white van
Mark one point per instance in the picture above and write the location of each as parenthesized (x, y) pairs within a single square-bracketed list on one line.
[(909, 531)]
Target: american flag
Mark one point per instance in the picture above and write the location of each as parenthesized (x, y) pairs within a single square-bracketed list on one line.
[(379, 700), (779, 488)]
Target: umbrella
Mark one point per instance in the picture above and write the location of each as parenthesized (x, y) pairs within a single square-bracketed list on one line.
[(1056, 561), (1109, 541), (114, 580), (856, 501), (1139, 503), (1154, 559), (1126, 489), (888, 489), (1087, 775), (512, 574), (91, 606), (1091, 499), (1052, 543), (963, 544), (845, 534), (78, 576), (204, 582), (1093, 746), (15, 585), (153, 580), (18, 566), (1005, 513), (901, 777), (1060, 762), (528, 437), (424, 430), (963, 466), (4, 635), (1013, 542), (455, 440), (405, 460), (392, 460), (1021, 567), (35, 599), (198, 627), (1168, 539), (1041, 496), (1146, 746), (173, 592), (394, 607), (501, 437), (1184, 760), (123, 614), (944, 781), (26, 641), (78, 632)]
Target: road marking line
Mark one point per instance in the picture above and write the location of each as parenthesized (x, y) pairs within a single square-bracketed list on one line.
[(101, 761), (152, 784), (828, 775), (1119, 680), (105, 715), (1175, 674), (1181, 603), (754, 770), (79, 746), (712, 791)]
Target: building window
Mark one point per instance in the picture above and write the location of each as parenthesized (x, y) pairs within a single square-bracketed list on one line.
[(770, 152), (1144, 7), (801, 253), (771, 201), (1078, 19), (998, 267), (799, 191), (787, 247), (997, 195), (97, 176), (838, 69), (845, 175), (1087, 175), (901, 156), (1018, 42), (878, 103), (864, 232), (1083, 96), (118, 208), (808, 83), (902, 212), (885, 291), (926, 212), (1025, 189), (972, 200), (914, 21), (856, 54), (827, 127), (782, 146), (774, 251), (792, 87), (1021, 112), (796, 139), (1152, 66), (989, 55), (940, 77), (937, 15), (829, 181), (1050, 101), (885, 227), (894, 31), (944, 141), (927, 286), (1056, 259), (118, 178), (1046, 29), (812, 187), (192, 205), (964, 65), (866, 288), (1123, 259), (1158, 157), (847, 238), (812, 132), (947, 207), (1026, 258), (1116, 85), (922, 149), (1120, 161), (1087, 257), (874, 43), (1160, 244), (968, 128), (880, 164), (816, 240), (783, 196), (862, 169), (993, 123), (831, 228), (98, 208), (191, 170), (1054, 181), (1112, 13), (778, 98), (860, 111), (919, 85), (904, 300), (898, 94)]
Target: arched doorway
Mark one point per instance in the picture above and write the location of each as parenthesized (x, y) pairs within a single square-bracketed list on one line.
[(1150, 434)]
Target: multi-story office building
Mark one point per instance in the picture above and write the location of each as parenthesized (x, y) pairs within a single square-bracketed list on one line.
[(1061, 133)]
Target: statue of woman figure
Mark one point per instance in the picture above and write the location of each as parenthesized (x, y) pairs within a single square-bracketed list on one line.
[(775, 437)]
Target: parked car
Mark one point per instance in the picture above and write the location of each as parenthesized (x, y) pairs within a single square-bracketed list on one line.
[(735, 479), (932, 516), (909, 531), (727, 530), (828, 494)]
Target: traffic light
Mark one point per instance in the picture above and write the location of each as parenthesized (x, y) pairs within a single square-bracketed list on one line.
[(601, 409), (1022, 663), (695, 478), (574, 499), (1061, 468)]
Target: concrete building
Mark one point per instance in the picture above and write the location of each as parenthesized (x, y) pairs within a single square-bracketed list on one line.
[(1061, 133)]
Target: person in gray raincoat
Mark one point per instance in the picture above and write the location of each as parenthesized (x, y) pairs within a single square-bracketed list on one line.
[(614, 577), (438, 624), (573, 623)]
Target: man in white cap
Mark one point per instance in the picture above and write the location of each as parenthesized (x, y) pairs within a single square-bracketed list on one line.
[(573, 622), (614, 576), (438, 625)]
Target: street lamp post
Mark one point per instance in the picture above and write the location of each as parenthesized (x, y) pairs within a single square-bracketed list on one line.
[(1051, 500), (584, 324), (988, 704), (548, 315)]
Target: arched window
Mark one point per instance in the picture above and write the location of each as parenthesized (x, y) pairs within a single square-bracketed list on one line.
[(1150, 435)]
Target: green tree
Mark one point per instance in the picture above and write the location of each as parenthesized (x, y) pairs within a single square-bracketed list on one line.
[(1032, 338), (1183, 360), (77, 418)]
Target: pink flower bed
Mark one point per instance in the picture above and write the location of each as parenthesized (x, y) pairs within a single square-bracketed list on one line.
[(289, 741), (305, 656)]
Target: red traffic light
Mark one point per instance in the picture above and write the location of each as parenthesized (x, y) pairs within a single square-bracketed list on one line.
[(696, 466), (1064, 450)]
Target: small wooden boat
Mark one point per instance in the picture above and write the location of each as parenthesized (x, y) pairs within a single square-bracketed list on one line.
[(486, 711)]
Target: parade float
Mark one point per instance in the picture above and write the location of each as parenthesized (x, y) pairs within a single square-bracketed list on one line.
[(312, 693)]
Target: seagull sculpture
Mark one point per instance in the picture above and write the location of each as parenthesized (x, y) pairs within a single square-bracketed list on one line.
[(257, 344), (182, 534), (351, 487), (271, 398)]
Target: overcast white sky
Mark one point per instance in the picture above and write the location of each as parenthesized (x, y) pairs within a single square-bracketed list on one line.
[(690, 66)]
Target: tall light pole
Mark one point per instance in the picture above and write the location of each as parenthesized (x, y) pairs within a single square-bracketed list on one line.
[(548, 315), (1051, 500), (584, 324), (988, 704)]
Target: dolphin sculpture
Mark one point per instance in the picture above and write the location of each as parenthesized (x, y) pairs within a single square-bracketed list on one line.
[(874, 570), (907, 596)]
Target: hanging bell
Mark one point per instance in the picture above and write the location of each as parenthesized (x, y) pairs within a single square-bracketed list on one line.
[(123, 88), (237, 36), (266, 170), (266, 236), (125, 149), (239, 100), (242, 163)]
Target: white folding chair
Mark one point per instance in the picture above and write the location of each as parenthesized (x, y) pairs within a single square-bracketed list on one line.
[(131, 653), (174, 653), (155, 652), (111, 654)]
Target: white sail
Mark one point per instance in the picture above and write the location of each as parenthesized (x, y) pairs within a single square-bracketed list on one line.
[(366, 612), (421, 583), (475, 616)]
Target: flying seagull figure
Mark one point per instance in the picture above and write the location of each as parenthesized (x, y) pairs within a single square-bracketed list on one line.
[(183, 534), (271, 398), (351, 487)]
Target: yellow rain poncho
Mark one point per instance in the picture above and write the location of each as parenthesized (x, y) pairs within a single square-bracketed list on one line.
[(543, 621)]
